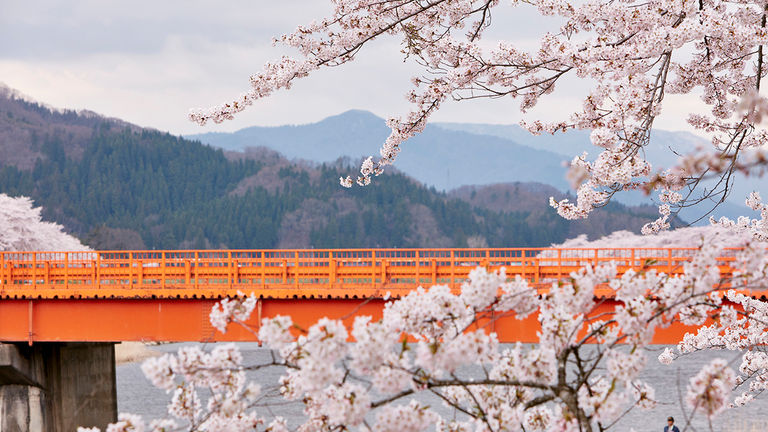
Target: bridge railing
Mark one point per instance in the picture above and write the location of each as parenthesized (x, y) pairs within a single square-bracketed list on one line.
[(300, 272)]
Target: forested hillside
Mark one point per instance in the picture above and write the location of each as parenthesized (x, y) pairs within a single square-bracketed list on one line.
[(117, 186)]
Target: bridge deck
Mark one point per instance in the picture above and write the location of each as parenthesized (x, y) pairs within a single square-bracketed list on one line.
[(166, 295)]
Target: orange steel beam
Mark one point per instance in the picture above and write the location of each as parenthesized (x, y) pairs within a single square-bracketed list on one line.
[(102, 320), (167, 295)]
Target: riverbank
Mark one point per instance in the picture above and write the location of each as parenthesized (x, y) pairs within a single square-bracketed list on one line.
[(131, 352)]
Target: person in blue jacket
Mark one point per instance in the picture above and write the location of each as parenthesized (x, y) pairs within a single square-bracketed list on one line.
[(670, 427)]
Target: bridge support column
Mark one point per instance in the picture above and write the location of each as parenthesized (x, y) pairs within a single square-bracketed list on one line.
[(57, 386)]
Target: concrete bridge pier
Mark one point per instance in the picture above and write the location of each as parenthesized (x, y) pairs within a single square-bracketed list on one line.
[(57, 386)]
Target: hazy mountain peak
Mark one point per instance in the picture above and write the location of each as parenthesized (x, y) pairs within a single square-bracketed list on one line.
[(355, 115), (437, 157)]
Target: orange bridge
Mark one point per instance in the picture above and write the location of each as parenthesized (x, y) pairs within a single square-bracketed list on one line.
[(167, 295)]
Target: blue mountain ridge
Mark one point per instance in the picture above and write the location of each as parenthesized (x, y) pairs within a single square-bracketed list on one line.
[(437, 157), (450, 155)]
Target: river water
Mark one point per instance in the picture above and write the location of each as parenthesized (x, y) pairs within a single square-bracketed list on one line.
[(136, 395)]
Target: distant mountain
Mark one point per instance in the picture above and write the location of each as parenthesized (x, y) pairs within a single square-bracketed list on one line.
[(437, 157), (352, 133), (117, 186), (450, 155), (661, 151), (456, 154)]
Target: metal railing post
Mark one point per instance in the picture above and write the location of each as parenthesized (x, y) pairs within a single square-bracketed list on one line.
[(197, 267), (434, 271), (97, 271), (187, 274), (453, 270), (162, 271), (34, 269), (331, 269), (263, 270), (66, 270), (418, 267), (296, 270), (230, 270), (373, 268)]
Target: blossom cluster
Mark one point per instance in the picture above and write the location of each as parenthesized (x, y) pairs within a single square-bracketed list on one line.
[(185, 375), (757, 228), (229, 310)]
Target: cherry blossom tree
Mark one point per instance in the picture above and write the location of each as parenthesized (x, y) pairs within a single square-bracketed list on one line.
[(630, 54), (22, 229)]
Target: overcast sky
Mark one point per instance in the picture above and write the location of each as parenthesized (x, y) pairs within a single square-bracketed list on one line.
[(149, 62)]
